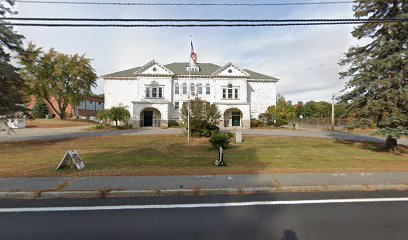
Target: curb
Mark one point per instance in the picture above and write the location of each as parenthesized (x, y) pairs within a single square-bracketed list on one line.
[(186, 192)]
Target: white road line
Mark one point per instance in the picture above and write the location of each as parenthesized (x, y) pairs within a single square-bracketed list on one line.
[(200, 205)]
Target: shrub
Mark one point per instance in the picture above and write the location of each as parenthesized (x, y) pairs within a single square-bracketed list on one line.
[(220, 139), (255, 123), (115, 114), (104, 116), (40, 110)]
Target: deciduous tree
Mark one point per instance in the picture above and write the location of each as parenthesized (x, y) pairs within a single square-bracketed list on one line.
[(204, 117), (67, 78)]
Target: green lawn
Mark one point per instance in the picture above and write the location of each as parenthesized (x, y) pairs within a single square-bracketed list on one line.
[(169, 155)]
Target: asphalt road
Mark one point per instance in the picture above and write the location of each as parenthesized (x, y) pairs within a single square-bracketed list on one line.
[(187, 218)]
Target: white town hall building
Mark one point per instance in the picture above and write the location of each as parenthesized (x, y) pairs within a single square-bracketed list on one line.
[(155, 93)]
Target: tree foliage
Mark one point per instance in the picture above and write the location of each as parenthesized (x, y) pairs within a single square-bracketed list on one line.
[(116, 114), (10, 82), (377, 75), (40, 109), (204, 117), (280, 114), (67, 78), (119, 114)]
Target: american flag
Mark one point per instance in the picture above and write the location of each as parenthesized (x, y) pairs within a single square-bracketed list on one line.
[(193, 54)]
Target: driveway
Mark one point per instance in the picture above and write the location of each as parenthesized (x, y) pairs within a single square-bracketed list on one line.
[(79, 132)]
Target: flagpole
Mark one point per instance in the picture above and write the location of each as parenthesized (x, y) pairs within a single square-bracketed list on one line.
[(189, 94)]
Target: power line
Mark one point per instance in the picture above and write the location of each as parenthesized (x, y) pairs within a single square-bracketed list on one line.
[(182, 4), (199, 20), (177, 25)]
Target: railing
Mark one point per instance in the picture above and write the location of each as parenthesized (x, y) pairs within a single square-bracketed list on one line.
[(324, 122), (155, 123)]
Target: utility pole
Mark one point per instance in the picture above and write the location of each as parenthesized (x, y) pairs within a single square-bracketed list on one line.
[(332, 114)]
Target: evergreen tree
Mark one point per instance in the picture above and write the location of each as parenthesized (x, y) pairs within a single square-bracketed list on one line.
[(377, 78), (10, 82)]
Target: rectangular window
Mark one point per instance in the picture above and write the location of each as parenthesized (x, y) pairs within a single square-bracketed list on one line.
[(207, 90), (236, 93), (176, 105), (229, 93), (200, 89), (176, 89), (154, 92), (224, 93), (184, 88), (160, 92)]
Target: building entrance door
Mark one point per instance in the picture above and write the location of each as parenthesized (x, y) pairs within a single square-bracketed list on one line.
[(148, 119), (236, 119)]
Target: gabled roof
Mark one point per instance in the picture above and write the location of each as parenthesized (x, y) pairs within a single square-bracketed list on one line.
[(180, 69), (228, 65), (255, 75), (124, 73), (152, 63)]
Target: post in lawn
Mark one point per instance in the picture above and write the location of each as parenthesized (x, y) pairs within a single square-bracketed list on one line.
[(220, 161)]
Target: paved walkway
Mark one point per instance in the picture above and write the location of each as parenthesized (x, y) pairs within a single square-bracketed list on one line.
[(182, 183), (79, 132)]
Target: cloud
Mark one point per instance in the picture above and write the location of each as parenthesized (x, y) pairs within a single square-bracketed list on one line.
[(304, 58)]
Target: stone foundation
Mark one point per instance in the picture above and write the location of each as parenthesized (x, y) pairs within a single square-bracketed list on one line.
[(164, 124), (135, 123)]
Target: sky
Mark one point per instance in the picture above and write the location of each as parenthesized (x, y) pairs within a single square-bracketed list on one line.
[(304, 58)]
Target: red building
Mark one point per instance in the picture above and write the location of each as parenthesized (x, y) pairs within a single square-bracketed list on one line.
[(88, 108)]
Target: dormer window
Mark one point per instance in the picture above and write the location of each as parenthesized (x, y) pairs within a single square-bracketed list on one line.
[(193, 69)]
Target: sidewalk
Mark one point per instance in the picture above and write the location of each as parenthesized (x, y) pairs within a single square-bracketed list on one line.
[(59, 187)]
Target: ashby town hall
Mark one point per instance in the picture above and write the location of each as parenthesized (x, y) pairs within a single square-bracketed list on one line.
[(155, 93)]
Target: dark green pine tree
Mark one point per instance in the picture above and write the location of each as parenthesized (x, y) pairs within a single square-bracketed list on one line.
[(10, 83), (377, 78)]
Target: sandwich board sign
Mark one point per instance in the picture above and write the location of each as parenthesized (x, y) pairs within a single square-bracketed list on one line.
[(71, 158)]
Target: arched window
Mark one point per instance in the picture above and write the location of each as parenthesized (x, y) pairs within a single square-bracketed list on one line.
[(207, 89), (176, 88), (230, 91), (192, 88), (199, 88), (184, 88)]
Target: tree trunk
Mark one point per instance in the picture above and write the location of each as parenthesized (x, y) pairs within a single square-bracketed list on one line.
[(390, 143), (116, 122)]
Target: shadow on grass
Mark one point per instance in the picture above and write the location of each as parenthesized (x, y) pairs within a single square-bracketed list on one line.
[(374, 147)]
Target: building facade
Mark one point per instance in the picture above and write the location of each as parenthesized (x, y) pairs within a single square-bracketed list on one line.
[(155, 93), (87, 109)]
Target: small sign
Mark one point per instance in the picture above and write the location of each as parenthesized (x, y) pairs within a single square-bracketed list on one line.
[(71, 158)]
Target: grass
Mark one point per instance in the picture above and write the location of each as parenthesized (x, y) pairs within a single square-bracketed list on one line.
[(58, 123), (171, 155)]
